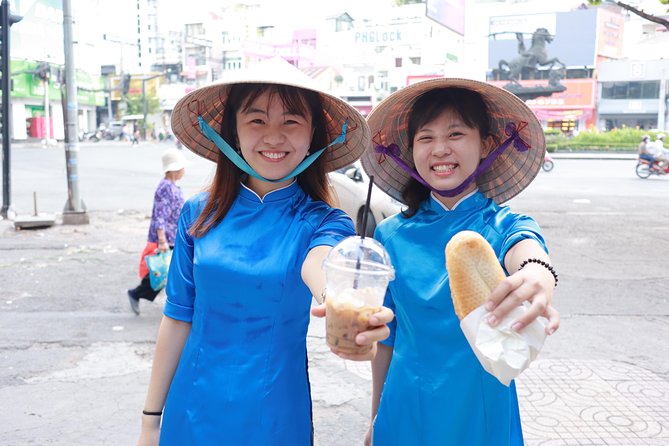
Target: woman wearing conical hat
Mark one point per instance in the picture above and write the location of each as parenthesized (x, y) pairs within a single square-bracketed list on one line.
[(452, 150), (230, 366)]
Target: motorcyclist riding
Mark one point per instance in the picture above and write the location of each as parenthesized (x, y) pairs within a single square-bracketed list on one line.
[(643, 145)]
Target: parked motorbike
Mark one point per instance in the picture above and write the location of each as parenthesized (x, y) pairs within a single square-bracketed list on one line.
[(647, 166), (548, 164), (89, 136)]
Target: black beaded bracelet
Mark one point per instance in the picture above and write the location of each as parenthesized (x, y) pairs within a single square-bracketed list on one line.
[(542, 263), (155, 414)]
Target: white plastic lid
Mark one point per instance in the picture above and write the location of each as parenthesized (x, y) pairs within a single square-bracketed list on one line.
[(356, 254)]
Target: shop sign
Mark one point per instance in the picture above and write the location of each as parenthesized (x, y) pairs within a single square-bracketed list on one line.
[(580, 93)]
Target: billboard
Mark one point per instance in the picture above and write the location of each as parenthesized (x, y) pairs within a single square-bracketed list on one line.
[(40, 34), (449, 13), (573, 42), (611, 27)]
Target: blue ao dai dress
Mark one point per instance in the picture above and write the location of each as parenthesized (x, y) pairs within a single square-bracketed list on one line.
[(436, 392), (242, 378)]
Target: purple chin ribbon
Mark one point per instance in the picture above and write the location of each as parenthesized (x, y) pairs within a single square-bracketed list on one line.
[(393, 151)]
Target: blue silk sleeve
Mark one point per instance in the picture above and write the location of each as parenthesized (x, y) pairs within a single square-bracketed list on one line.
[(180, 287), (524, 228), (335, 227)]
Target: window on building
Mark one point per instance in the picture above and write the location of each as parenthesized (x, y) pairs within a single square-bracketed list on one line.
[(579, 73), (634, 90), (650, 90), (398, 62), (194, 29), (361, 83), (631, 90)]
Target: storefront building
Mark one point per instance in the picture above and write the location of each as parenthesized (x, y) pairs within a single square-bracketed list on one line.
[(30, 99), (38, 59), (633, 94)]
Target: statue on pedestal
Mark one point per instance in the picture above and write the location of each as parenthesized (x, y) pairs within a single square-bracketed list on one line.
[(527, 64)]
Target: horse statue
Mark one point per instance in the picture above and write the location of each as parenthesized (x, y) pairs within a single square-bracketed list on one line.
[(530, 59)]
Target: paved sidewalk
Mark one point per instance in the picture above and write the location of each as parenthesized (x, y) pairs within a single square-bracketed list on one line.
[(74, 362), (567, 402)]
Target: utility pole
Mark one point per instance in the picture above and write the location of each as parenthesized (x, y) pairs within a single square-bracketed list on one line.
[(6, 20), (74, 212), (47, 105)]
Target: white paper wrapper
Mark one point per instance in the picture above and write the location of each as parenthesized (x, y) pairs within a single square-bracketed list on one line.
[(503, 352)]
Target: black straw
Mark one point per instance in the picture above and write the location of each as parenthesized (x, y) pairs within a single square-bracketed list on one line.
[(367, 210)]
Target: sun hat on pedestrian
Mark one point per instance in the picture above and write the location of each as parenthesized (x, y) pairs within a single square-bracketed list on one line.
[(512, 122), (173, 160), (209, 102)]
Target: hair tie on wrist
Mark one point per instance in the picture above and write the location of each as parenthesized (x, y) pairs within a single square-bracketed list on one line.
[(155, 414), (542, 263)]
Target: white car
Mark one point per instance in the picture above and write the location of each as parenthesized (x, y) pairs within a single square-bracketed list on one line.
[(351, 184)]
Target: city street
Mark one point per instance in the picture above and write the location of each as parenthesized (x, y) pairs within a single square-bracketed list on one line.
[(75, 361)]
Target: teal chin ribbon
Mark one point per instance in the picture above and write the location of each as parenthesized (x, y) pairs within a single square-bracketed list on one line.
[(238, 161)]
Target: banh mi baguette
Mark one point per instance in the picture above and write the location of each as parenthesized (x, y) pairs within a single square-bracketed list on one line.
[(473, 271)]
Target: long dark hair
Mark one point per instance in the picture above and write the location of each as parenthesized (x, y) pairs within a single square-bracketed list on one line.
[(225, 186), (467, 104)]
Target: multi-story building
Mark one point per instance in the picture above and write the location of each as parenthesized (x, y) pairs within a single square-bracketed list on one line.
[(383, 54), (37, 73), (348, 54), (634, 91)]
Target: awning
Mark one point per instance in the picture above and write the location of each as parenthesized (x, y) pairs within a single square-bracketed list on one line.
[(132, 118)]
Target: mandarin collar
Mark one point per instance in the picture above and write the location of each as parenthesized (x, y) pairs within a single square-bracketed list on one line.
[(275, 195), (475, 200)]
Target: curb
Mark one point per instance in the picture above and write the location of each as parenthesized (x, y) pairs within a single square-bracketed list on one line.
[(594, 156)]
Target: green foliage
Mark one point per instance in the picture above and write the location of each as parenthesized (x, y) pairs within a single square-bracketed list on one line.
[(136, 105), (624, 139), (552, 133)]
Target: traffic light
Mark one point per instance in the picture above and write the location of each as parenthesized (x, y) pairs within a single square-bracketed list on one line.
[(13, 18), (126, 83), (43, 71)]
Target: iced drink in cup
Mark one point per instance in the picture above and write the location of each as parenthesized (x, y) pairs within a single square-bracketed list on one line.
[(357, 271)]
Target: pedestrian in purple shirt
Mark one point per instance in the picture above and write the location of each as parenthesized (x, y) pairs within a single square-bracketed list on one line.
[(167, 203)]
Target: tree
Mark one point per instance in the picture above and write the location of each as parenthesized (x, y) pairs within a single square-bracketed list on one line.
[(639, 12), (136, 105)]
